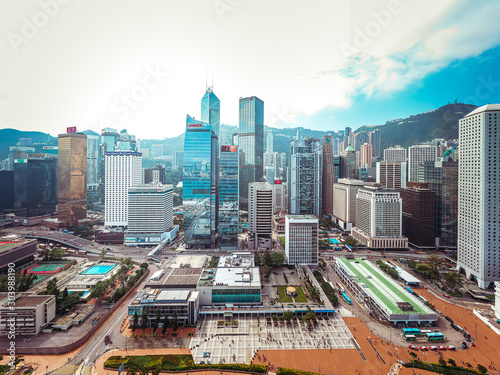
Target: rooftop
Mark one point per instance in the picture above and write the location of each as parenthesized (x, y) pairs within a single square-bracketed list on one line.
[(382, 289), (25, 300), (248, 277), (484, 108), (300, 218)]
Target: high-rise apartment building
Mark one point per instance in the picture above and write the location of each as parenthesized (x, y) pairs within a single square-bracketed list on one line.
[(375, 141), (335, 146), (200, 185), (396, 153), (279, 196), (177, 157), (155, 175), (378, 218), (149, 214), (260, 210), (478, 195), (72, 178), (344, 202), (251, 145), (92, 163), (123, 170), (366, 155), (442, 178), (305, 177), (417, 154), (347, 133), (109, 137), (348, 163), (360, 139), (269, 142), (301, 239), (418, 214), (391, 174), (328, 176), (210, 110), (228, 197)]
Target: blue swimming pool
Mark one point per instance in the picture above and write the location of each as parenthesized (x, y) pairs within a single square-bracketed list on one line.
[(334, 241), (100, 269)]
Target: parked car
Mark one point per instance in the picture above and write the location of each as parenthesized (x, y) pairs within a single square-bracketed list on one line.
[(423, 348)]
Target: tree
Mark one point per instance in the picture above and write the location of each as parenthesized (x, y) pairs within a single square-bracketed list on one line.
[(131, 372), (175, 323), (257, 259), (452, 362), (143, 371), (411, 264), (56, 254), (442, 362), (165, 324), (288, 315), (453, 281), (98, 290), (135, 322), (435, 261), (267, 259), (52, 288), (309, 315), (277, 259), (482, 369), (351, 242), (103, 253), (413, 354), (144, 320), (157, 320), (468, 365), (267, 273), (424, 270)]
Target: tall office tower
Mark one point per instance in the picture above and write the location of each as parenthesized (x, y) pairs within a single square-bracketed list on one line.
[(177, 157), (260, 210), (125, 142), (200, 185), (335, 147), (18, 152), (418, 154), (155, 175), (347, 133), (478, 195), (210, 110), (34, 185), (418, 214), (328, 176), (366, 155), (149, 214), (378, 218), (92, 164), (375, 141), (156, 150), (301, 239), (279, 196), (305, 181), (283, 166), (251, 145), (342, 146), (396, 153), (7, 189), (270, 166), (269, 142), (337, 162), (348, 163), (391, 174), (229, 208), (234, 139), (72, 178), (123, 170), (344, 202), (109, 138), (442, 178), (360, 139)]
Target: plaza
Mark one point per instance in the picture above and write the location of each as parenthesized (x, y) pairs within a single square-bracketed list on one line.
[(238, 343)]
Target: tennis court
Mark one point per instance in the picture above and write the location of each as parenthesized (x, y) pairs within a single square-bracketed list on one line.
[(47, 268)]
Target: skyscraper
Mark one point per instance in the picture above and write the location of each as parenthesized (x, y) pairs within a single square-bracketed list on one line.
[(305, 181), (347, 133), (123, 170), (177, 157), (301, 239), (366, 155), (391, 174), (375, 141), (200, 185), (251, 144), (328, 176), (348, 163), (269, 142), (260, 212), (344, 206), (109, 138), (418, 154), (72, 178), (478, 195), (228, 197), (396, 153), (92, 163), (155, 175), (360, 139), (210, 110)]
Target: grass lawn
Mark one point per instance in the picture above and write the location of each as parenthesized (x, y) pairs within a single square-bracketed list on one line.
[(301, 297), (282, 240), (283, 297)]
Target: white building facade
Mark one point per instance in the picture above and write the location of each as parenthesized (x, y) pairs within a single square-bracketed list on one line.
[(396, 153), (344, 202), (418, 154), (479, 195), (301, 239)]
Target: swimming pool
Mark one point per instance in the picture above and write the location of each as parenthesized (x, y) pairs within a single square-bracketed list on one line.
[(334, 241), (100, 269)]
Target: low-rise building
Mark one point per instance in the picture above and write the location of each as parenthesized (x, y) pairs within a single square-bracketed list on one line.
[(18, 251)]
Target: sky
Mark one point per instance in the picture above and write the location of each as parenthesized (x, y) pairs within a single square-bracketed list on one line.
[(144, 65)]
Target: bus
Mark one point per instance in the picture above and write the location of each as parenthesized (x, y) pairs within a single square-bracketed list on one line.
[(434, 336), (347, 299), (410, 338), (411, 331)]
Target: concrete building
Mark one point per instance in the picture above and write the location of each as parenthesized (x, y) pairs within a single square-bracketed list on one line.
[(360, 139), (376, 141), (418, 214), (92, 163), (396, 153), (156, 150), (497, 299), (18, 251), (149, 214), (279, 196), (366, 155), (391, 174), (301, 239), (123, 170), (344, 202), (305, 177), (228, 197), (177, 157), (155, 175), (478, 195), (348, 163), (72, 178), (418, 154), (26, 314), (378, 218), (328, 176), (260, 211)]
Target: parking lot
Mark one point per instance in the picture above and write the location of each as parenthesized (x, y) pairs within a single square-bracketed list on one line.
[(239, 344)]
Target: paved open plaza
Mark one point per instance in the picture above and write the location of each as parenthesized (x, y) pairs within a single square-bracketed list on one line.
[(239, 344)]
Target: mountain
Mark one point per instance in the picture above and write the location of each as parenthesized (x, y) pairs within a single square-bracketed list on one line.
[(438, 123), (10, 137)]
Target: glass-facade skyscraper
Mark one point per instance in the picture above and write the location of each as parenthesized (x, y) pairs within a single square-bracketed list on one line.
[(228, 198), (251, 144), (200, 185), (210, 110)]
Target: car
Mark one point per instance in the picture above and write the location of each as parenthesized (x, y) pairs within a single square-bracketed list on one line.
[(433, 347), (442, 347), (423, 348), (450, 347), (413, 347)]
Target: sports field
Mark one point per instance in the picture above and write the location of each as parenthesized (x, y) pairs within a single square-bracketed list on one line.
[(386, 291), (47, 268)]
